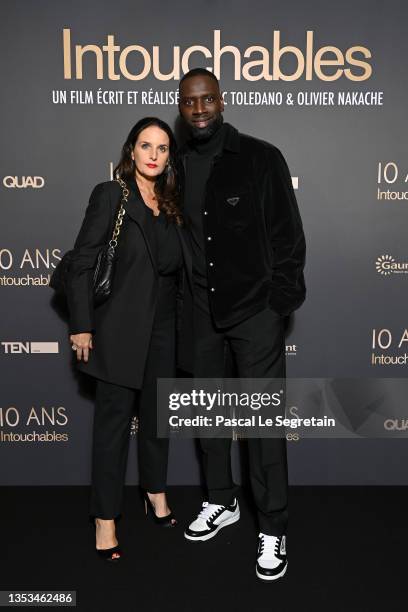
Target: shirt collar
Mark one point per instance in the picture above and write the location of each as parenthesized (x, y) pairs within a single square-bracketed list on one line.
[(230, 141)]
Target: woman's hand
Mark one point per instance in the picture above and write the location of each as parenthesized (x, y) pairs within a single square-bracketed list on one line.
[(81, 343)]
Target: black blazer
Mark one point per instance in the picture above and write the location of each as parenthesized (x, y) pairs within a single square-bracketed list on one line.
[(255, 245), (254, 240), (122, 325)]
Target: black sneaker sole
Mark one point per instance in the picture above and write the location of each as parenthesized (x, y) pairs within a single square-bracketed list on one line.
[(271, 578), (210, 535)]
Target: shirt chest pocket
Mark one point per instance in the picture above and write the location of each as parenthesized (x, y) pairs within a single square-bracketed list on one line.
[(234, 208)]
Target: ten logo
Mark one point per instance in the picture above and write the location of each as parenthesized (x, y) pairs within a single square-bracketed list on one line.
[(22, 182), (30, 347)]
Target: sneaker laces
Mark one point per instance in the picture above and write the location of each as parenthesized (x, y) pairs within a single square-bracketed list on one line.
[(270, 545), (209, 511)]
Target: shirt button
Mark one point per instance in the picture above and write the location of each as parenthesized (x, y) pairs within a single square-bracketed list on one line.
[(213, 289), (209, 238), (211, 264), (205, 212)]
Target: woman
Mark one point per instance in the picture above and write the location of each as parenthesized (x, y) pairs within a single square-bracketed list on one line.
[(128, 341)]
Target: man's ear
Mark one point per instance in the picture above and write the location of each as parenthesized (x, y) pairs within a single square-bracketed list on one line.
[(222, 101)]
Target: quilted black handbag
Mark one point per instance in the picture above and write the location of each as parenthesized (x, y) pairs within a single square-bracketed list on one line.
[(105, 264)]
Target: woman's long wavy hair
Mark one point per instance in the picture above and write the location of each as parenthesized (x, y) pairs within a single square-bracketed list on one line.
[(167, 185)]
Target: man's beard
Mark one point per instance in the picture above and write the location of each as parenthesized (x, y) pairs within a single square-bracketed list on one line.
[(206, 133)]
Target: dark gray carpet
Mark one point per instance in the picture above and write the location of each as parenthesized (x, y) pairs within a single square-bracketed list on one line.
[(345, 552)]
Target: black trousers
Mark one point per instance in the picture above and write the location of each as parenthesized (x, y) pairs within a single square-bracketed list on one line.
[(114, 408), (258, 348)]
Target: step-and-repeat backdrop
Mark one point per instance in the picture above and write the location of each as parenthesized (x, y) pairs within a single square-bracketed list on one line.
[(326, 83)]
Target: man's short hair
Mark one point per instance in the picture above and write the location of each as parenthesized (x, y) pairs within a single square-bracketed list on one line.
[(199, 72)]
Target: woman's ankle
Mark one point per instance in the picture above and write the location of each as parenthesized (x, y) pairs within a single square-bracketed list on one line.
[(156, 495), (100, 521)]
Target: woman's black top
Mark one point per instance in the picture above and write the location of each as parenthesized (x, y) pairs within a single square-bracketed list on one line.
[(168, 246), (169, 254)]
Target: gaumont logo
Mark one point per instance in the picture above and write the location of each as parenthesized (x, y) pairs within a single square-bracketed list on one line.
[(291, 349), (255, 63), (23, 182), (26, 348), (387, 265)]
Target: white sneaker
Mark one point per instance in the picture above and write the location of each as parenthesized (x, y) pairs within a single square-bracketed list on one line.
[(271, 559), (211, 519)]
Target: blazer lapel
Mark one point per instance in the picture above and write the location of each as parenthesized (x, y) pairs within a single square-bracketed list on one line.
[(134, 208), (186, 248)]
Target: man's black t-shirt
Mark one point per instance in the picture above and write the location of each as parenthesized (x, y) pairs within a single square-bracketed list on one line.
[(199, 162)]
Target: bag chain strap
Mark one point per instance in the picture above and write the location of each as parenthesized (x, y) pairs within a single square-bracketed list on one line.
[(113, 242)]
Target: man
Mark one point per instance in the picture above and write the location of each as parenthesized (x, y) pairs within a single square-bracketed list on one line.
[(248, 252)]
